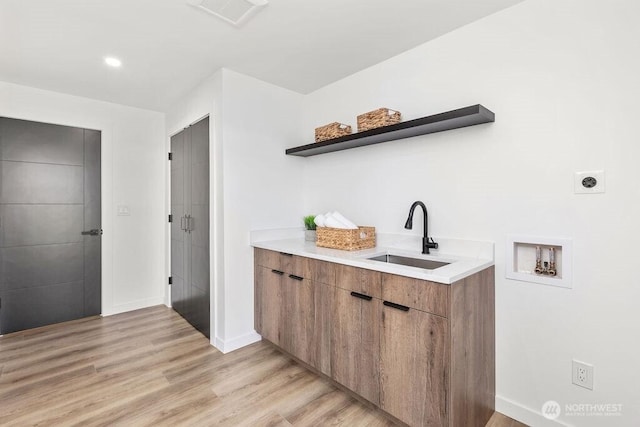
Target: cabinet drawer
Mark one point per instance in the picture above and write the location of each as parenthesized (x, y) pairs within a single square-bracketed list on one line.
[(363, 281), (287, 263), (414, 293), (322, 271), (265, 258)]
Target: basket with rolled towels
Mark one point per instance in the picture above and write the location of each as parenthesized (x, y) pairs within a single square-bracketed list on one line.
[(337, 232)]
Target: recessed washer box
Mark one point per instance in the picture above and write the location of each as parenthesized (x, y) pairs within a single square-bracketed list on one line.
[(521, 259)]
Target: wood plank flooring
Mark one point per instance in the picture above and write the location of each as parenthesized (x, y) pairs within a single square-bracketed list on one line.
[(150, 367)]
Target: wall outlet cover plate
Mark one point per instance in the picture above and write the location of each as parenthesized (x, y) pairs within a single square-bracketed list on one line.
[(582, 374)]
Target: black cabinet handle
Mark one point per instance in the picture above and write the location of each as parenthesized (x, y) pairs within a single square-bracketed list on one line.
[(285, 254), (361, 296), (278, 272), (396, 306), (293, 276)]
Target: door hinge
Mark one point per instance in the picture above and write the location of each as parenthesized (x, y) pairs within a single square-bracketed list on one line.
[(170, 156), (170, 218), (170, 280)]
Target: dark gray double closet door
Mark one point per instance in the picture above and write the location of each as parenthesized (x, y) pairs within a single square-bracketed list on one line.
[(49, 195), (190, 225)]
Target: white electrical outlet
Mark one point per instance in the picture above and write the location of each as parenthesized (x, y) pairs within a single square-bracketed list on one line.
[(588, 182), (582, 374)]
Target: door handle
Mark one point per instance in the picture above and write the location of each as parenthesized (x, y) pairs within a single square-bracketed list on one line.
[(187, 224), (182, 218), (94, 232)]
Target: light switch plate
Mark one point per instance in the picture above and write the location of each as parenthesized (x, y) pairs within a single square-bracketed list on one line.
[(123, 210), (589, 182)]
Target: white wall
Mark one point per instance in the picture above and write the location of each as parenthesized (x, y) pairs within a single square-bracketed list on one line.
[(262, 187), (562, 78), (132, 174), (253, 185)]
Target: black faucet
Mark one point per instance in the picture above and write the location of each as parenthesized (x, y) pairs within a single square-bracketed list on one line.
[(427, 242)]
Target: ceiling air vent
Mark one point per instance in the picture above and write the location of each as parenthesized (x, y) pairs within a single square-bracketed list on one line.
[(234, 12)]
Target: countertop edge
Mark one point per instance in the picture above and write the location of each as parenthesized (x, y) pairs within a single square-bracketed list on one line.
[(459, 268)]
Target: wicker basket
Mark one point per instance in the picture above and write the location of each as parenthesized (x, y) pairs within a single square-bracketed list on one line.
[(378, 118), (346, 240), (332, 130)]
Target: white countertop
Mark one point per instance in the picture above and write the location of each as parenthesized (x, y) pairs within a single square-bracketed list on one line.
[(465, 257)]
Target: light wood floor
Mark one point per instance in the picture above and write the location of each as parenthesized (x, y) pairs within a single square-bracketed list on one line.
[(150, 367)]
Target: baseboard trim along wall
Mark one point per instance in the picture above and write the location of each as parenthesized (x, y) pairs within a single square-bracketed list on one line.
[(525, 415), (236, 343), (133, 305)]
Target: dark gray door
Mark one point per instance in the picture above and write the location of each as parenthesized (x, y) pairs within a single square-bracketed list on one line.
[(49, 194), (179, 248), (190, 227)]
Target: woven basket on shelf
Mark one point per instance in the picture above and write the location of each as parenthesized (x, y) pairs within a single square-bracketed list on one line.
[(346, 240), (332, 130), (378, 118)]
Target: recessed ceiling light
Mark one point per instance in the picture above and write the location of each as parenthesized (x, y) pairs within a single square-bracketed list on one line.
[(112, 62)]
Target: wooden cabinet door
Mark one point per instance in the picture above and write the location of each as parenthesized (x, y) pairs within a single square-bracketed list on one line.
[(269, 304), (324, 296), (298, 317), (414, 366), (355, 333)]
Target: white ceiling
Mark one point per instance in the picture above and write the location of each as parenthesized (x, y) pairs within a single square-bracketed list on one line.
[(167, 47)]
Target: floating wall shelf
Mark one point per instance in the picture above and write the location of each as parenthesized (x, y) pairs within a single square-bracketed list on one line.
[(462, 117)]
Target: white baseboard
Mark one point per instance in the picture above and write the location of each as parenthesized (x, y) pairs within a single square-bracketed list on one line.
[(525, 415), (133, 305), (235, 343), (167, 296)]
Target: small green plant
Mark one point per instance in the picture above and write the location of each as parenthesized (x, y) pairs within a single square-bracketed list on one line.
[(308, 222)]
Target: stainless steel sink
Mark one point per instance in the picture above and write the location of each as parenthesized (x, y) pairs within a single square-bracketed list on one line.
[(411, 262)]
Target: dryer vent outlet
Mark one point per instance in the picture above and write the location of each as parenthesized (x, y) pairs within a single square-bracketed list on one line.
[(588, 182)]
